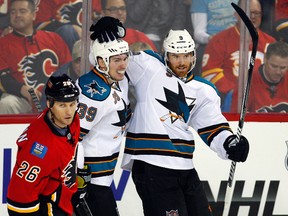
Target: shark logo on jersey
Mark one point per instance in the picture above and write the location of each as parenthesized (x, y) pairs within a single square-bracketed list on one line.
[(69, 173), (177, 104), (122, 120), (278, 108), (38, 67), (95, 88)]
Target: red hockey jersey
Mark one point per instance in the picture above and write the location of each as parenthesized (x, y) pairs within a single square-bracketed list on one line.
[(221, 60), (45, 169), (268, 97), (32, 60)]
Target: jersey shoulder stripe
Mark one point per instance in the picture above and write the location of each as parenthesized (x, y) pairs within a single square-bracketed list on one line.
[(202, 80), (155, 55), (94, 86)]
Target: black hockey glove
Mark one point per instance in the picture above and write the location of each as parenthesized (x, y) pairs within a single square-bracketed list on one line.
[(83, 180), (237, 151), (107, 29)]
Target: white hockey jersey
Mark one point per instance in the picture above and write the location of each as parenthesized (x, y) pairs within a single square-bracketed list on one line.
[(166, 107), (103, 113)]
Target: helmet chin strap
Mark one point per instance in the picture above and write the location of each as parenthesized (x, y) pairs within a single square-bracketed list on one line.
[(106, 74)]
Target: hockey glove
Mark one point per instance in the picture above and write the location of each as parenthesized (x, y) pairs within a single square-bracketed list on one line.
[(237, 151), (83, 180), (107, 29)]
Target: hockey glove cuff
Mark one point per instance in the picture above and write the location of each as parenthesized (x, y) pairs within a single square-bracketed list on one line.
[(107, 29), (237, 151)]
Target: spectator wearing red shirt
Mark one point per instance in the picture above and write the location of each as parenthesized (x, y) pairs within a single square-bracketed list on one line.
[(269, 88), (27, 58), (221, 58), (117, 9)]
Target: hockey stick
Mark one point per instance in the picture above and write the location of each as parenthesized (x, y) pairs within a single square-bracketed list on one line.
[(82, 209), (35, 100), (254, 36)]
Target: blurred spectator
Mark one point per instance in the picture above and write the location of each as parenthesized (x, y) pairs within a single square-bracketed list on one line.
[(156, 17), (221, 58), (281, 9), (208, 18), (61, 16), (73, 68), (138, 46), (117, 9), (269, 88), (4, 21), (27, 58)]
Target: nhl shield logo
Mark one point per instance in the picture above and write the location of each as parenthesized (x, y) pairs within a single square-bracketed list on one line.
[(172, 213)]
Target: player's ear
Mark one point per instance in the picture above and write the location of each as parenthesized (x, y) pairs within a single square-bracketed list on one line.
[(101, 63)]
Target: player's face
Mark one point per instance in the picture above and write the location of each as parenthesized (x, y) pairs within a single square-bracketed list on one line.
[(21, 17), (63, 112), (117, 66), (179, 63), (116, 9), (275, 68)]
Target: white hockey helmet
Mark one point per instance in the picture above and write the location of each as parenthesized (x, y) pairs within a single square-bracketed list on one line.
[(105, 50), (179, 41)]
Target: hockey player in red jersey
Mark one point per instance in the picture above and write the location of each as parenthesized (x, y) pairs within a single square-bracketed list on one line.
[(269, 88), (44, 176), (220, 63)]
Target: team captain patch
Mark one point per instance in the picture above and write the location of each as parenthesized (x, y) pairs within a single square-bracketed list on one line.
[(38, 150)]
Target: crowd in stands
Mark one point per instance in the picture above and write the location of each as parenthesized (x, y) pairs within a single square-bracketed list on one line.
[(39, 38)]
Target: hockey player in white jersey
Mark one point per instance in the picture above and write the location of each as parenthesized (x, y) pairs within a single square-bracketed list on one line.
[(103, 113), (159, 145)]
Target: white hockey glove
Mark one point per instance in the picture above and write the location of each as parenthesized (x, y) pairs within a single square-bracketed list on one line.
[(237, 151)]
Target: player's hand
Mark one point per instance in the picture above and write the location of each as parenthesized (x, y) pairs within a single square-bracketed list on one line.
[(237, 151), (83, 180), (107, 29)]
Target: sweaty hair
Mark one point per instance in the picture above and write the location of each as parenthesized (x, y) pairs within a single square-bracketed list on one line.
[(278, 48), (31, 3)]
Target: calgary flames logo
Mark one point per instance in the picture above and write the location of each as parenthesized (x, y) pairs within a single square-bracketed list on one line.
[(36, 68), (69, 173), (72, 13)]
